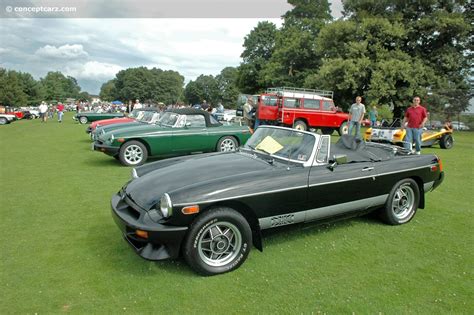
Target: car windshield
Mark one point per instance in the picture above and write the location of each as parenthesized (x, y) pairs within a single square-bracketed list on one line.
[(168, 119), (283, 143), (135, 113), (148, 116)]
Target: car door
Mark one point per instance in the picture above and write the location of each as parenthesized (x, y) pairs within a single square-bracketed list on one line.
[(190, 134), (345, 188)]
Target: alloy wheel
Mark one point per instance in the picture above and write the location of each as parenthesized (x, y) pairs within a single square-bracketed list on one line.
[(403, 202), (219, 244)]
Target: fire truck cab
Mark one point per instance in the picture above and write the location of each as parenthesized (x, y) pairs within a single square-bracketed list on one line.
[(301, 109)]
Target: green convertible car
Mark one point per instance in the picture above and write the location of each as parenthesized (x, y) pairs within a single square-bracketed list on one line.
[(178, 132), (87, 117)]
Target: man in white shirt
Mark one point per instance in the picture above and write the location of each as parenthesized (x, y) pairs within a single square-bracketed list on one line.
[(43, 109), (137, 105), (356, 115)]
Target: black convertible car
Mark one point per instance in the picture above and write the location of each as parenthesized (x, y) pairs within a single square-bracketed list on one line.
[(211, 208)]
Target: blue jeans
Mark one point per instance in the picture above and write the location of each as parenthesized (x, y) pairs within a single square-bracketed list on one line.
[(413, 134), (60, 116), (257, 123), (372, 123), (357, 128)]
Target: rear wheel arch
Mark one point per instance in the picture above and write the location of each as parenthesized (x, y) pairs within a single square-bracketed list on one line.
[(419, 182)]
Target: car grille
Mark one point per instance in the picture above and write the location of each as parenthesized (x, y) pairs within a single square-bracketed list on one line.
[(129, 207)]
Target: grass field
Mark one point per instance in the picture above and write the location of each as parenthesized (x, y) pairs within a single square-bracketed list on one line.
[(61, 251)]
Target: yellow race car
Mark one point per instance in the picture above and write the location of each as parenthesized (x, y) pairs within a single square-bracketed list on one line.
[(395, 135)]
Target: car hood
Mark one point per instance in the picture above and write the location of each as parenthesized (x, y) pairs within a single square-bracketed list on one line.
[(105, 122), (135, 129), (201, 177)]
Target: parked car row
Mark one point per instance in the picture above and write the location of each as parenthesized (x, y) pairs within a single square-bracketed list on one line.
[(177, 132), (211, 208)]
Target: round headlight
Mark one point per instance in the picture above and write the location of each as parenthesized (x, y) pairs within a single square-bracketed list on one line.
[(165, 205)]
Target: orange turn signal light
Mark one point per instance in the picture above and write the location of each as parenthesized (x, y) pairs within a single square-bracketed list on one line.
[(190, 209), (142, 234), (121, 140)]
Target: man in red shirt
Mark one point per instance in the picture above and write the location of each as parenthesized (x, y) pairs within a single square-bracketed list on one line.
[(415, 119), (60, 109)]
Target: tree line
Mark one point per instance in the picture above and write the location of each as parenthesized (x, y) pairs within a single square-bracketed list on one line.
[(156, 85), (21, 89)]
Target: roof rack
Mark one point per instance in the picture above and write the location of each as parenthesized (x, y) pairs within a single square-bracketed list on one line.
[(286, 90)]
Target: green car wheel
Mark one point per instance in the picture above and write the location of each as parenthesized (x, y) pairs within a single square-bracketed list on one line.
[(227, 144), (133, 153)]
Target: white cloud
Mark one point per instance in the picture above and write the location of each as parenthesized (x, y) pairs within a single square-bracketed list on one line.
[(94, 70), (62, 52)]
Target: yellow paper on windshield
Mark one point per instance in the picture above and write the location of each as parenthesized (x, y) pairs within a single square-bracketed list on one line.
[(269, 145)]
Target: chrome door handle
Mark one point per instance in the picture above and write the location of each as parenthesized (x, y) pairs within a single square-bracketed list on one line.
[(366, 169)]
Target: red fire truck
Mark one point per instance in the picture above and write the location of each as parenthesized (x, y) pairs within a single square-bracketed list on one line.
[(301, 109)]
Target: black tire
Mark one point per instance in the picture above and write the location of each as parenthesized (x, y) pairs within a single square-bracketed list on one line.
[(343, 129), (327, 131), (223, 250), (3, 121), (83, 120), (227, 144), (446, 141), (300, 125), (402, 202), (133, 153)]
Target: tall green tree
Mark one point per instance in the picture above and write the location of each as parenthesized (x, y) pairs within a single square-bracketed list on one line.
[(11, 89), (58, 87), (258, 49), (205, 87), (32, 88), (19, 88), (227, 85), (145, 84), (389, 51), (134, 83), (295, 54), (108, 91), (167, 86)]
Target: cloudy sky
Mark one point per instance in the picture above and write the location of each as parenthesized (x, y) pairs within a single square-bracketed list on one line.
[(93, 50)]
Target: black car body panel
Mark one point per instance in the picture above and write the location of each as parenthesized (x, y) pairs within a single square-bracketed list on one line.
[(267, 190)]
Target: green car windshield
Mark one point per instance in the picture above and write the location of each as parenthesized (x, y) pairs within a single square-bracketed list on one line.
[(136, 114), (148, 116), (168, 119), (283, 143)]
